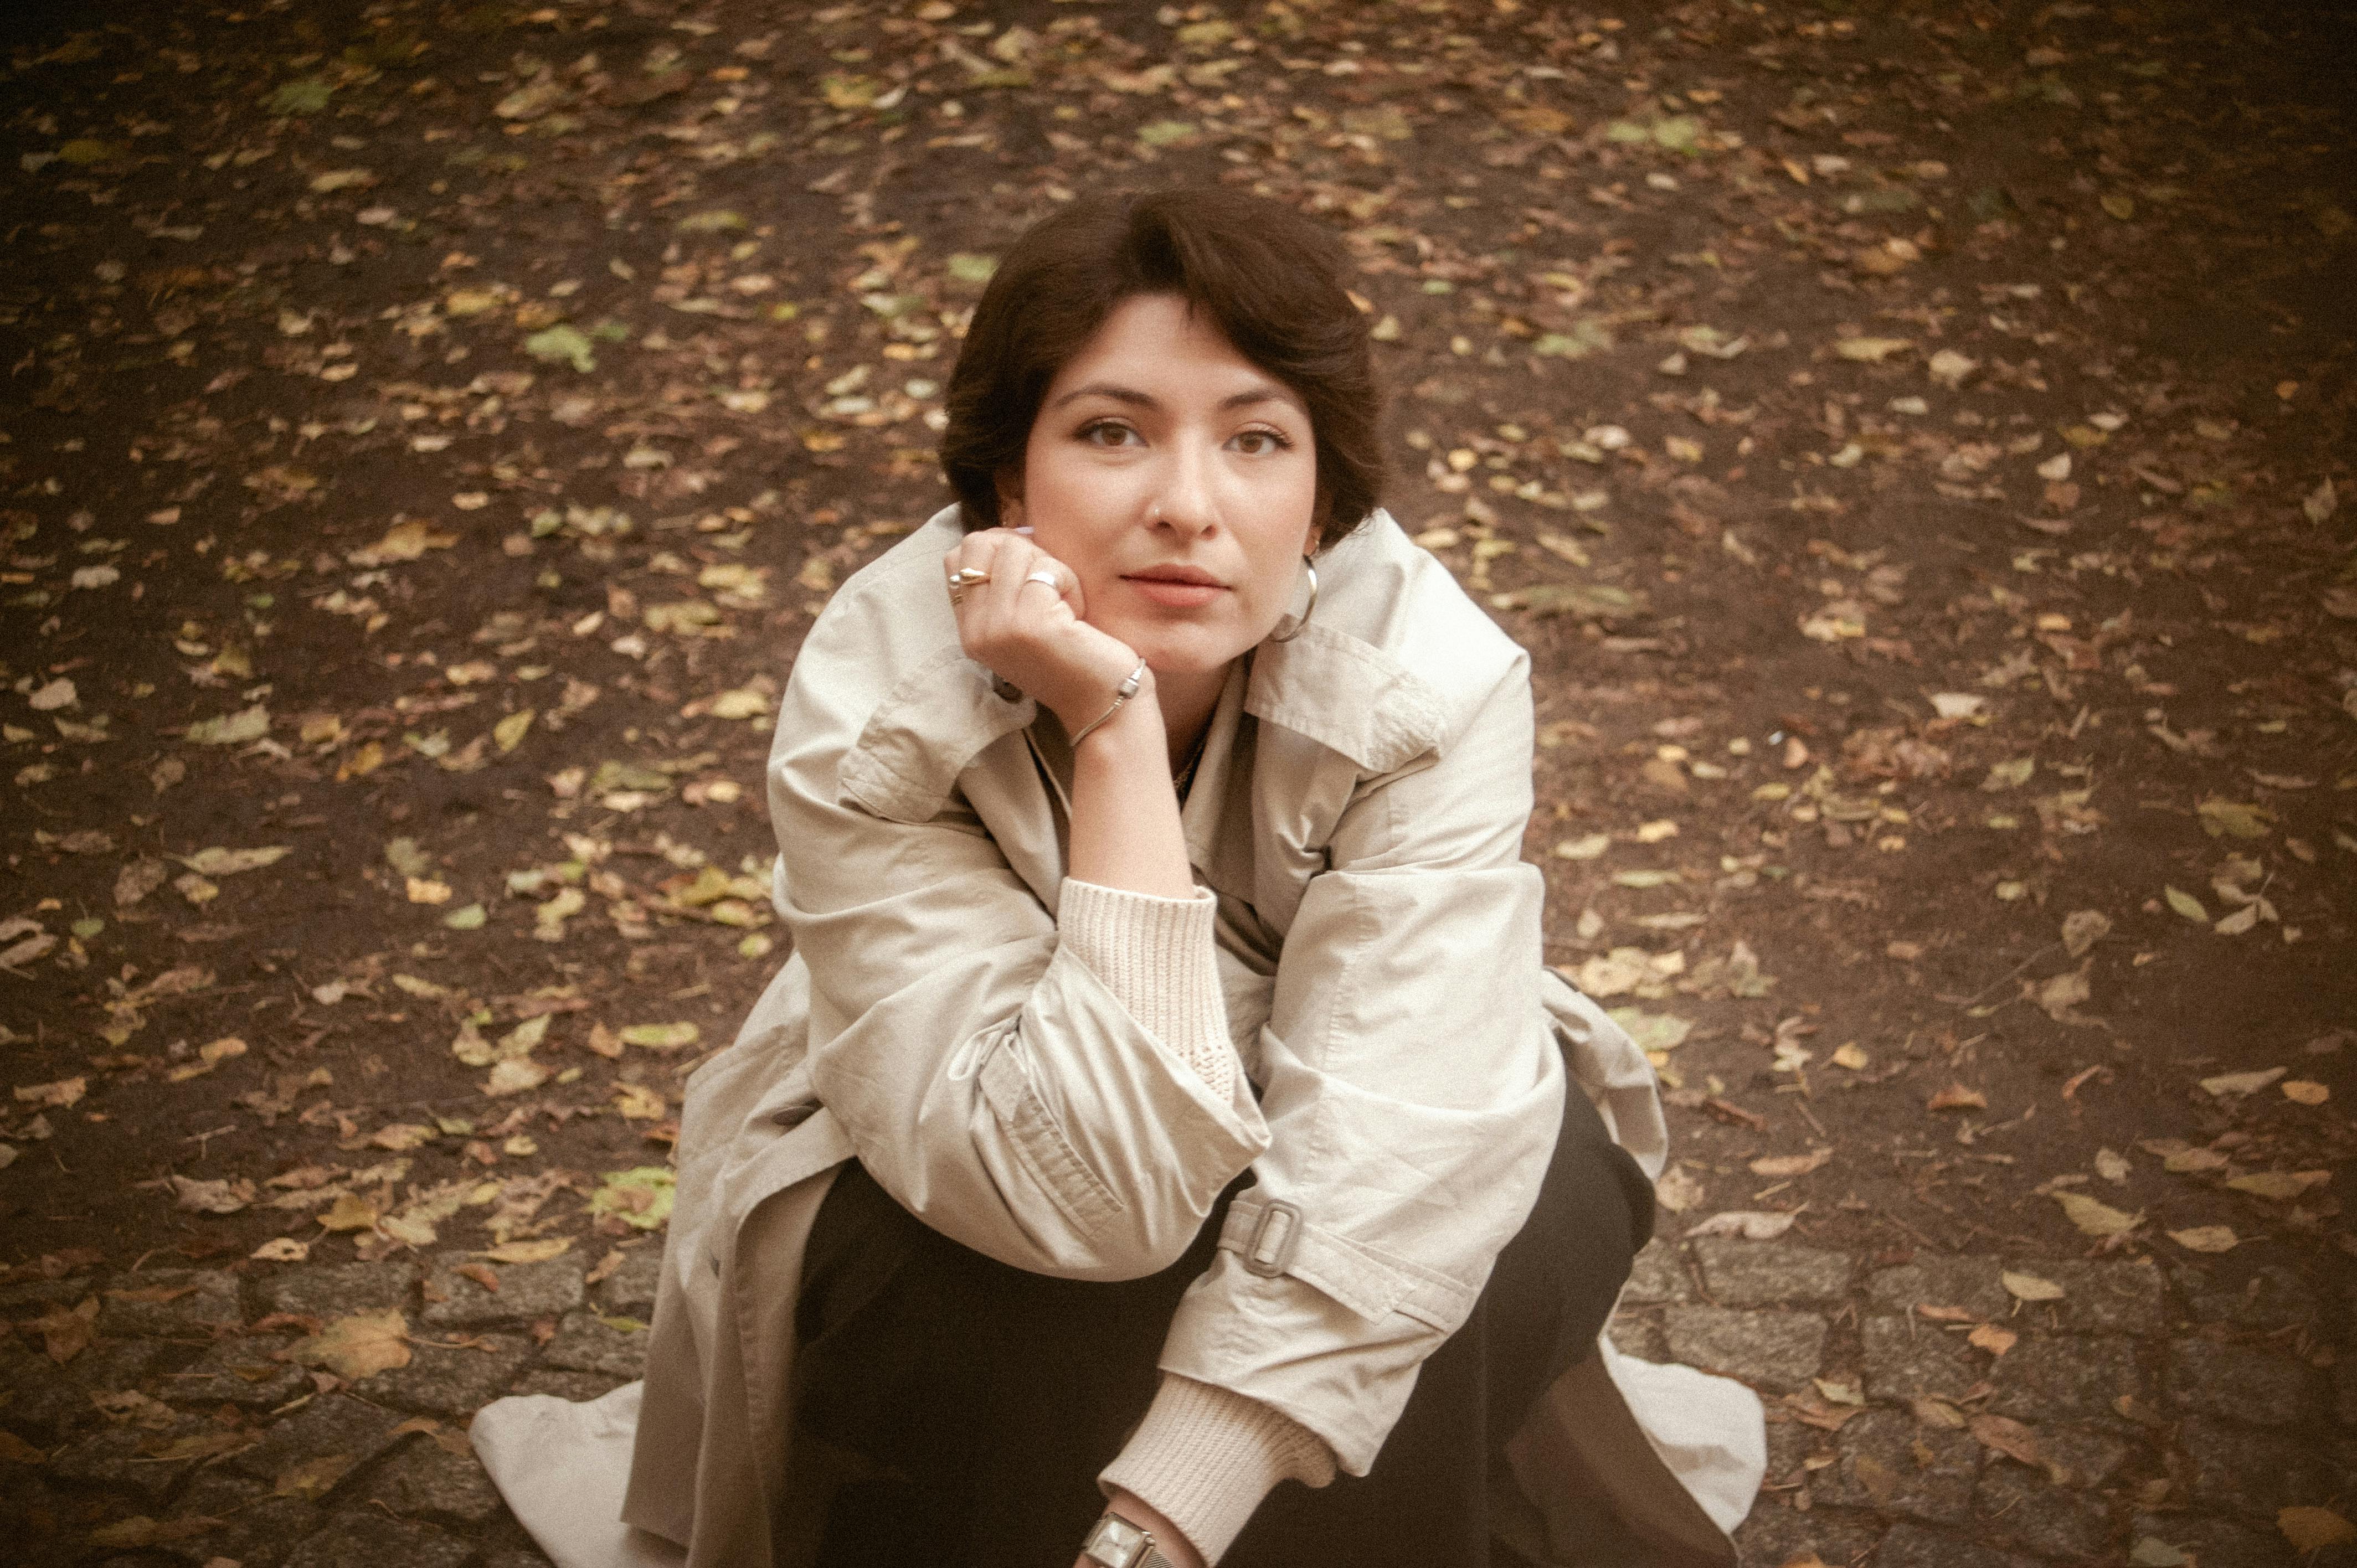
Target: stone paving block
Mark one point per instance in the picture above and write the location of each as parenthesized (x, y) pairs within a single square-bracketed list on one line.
[(331, 1424), (2253, 1470), (372, 1541), (257, 1528), (2273, 1298), (423, 1480), (444, 1381), (1789, 1444), (2241, 1382), (2042, 1377), (242, 1370), (1639, 1334), (340, 1290), (1897, 1466), (2105, 1298), (116, 1458), (2023, 1505), (527, 1292), (585, 1343), (578, 1387), (632, 1288), (1770, 1273), (2088, 1457), (1969, 1282), (1908, 1546), (36, 1395), (1776, 1534), (1775, 1349), (114, 1364), (1659, 1275), (2216, 1542), (208, 1300), (1906, 1358)]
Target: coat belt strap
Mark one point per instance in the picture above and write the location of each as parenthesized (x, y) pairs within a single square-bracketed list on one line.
[(1272, 1237)]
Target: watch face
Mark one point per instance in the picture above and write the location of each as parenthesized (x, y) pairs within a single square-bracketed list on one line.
[(1115, 1543)]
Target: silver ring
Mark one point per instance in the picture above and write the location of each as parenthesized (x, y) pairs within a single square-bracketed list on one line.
[(968, 577), (1047, 578)]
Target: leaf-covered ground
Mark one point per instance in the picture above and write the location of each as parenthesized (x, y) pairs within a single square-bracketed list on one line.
[(1914, 441)]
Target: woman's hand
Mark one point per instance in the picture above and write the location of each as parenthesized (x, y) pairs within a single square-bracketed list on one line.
[(1025, 623)]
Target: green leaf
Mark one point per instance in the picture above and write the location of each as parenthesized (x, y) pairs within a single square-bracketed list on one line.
[(2186, 903), (2233, 819), (1652, 1031), (1165, 133), (307, 96), (718, 220), (967, 267), (562, 343), (641, 1198), (232, 729), (661, 1036), (469, 918)]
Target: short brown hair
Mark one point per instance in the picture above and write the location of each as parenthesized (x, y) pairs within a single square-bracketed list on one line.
[(1270, 278)]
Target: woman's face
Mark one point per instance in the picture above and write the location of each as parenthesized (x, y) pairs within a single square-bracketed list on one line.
[(1178, 479)]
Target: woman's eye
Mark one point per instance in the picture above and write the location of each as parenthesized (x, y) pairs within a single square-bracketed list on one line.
[(1107, 434), (1260, 443)]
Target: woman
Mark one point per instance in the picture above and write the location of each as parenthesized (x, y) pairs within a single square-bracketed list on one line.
[(1166, 1100)]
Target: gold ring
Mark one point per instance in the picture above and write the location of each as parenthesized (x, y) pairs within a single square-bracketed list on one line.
[(968, 576)]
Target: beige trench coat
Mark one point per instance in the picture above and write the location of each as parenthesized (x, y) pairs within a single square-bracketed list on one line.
[(1359, 813)]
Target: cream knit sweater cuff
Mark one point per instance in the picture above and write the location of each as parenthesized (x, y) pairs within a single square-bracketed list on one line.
[(1157, 956), (1205, 1457)]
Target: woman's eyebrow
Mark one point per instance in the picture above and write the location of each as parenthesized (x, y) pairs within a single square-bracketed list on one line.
[(1134, 397)]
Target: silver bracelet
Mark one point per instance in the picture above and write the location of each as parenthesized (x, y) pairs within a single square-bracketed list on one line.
[(1122, 694)]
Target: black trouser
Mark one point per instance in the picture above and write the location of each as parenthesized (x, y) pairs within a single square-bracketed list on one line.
[(952, 1409)]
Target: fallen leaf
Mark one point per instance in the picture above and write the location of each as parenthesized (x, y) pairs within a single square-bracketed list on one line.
[(232, 729), (350, 1212), (2206, 1239), (2313, 1528), (2009, 1437), (282, 1250), (2111, 1166), (1678, 1190), (1870, 351), (2279, 1187), (2305, 1091), (637, 1103), (2083, 928), (218, 861), (1956, 1097), (226, 1196), (640, 1197), (1850, 1055), (533, 1252), (312, 1479), (66, 1331), (1933, 1410), (2093, 1218), (1788, 1165), (1750, 1224), (2234, 819), (2058, 996), (661, 1036), (1988, 1336), (356, 1346), (515, 1075), (2186, 903), (65, 1091), (2030, 1287), (2234, 1085)]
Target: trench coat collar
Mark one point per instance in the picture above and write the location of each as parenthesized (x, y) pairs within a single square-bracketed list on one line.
[(1347, 693)]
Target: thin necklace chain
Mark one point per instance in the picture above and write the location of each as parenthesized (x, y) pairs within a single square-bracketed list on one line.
[(1185, 777)]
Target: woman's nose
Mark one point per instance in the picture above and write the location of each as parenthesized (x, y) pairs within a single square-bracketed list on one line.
[(1185, 503)]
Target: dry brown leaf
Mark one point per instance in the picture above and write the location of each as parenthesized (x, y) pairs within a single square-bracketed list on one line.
[(538, 1252), (1791, 1165), (2009, 1437), (2313, 1528), (1988, 1336), (66, 1331), (350, 1212), (2230, 1085), (2206, 1239), (1956, 1097), (2030, 1287), (2304, 1091), (1934, 1412), (312, 1479), (2279, 1187), (2098, 1219)]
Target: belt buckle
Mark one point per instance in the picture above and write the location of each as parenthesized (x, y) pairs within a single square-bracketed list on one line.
[(1257, 1257)]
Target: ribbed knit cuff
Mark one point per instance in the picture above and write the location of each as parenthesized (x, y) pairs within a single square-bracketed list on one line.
[(1158, 957), (1206, 1456)]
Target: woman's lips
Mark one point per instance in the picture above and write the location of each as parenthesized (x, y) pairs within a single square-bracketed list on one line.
[(1176, 592)]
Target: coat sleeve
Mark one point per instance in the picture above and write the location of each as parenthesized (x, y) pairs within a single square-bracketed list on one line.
[(987, 1076), (1413, 1094)]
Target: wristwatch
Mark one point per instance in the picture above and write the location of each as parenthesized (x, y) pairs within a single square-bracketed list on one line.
[(1117, 1544)]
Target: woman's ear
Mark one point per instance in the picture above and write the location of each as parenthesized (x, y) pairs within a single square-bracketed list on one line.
[(1010, 496)]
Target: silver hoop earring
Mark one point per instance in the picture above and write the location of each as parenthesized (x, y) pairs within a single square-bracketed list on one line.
[(1308, 611)]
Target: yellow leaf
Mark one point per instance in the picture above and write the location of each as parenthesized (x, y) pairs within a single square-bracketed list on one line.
[(2030, 1287), (2304, 1091), (538, 1252), (2206, 1239), (637, 1103), (2240, 1083), (2186, 903), (282, 1250), (2279, 1187), (1870, 350), (357, 1346), (314, 1478), (1848, 1055), (510, 731), (2096, 1218), (350, 1213)]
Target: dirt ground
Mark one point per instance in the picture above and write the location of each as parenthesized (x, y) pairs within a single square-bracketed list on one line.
[(1914, 442)]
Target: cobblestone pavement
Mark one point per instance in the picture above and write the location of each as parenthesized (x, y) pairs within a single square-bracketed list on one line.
[(1923, 1414)]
